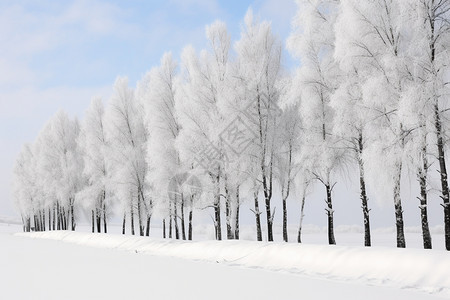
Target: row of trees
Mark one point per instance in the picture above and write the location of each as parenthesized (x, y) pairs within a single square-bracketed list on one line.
[(370, 94)]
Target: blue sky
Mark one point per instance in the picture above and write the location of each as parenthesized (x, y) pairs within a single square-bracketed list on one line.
[(59, 54)]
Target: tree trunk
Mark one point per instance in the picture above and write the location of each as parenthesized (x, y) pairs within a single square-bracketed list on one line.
[(98, 220), (238, 204), (285, 234), (105, 227), (257, 217), (183, 228), (58, 216), (43, 220), (190, 225), (139, 212), (68, 217), (330, 214), (36, 225), (398, 209), (302, 215), (54, 217), (175, 219), (49, 219), (230, 234), (443, 173), (422, 175), (164, 228), (363, 195), (424, 216), (132, 218), (147, 231), (285, 193), (269, 220), (93, 220), (64, 218), (365, 209), (27, 224), (124, 222), (217, 222), (72, 214), (38, 221), (170, 223)]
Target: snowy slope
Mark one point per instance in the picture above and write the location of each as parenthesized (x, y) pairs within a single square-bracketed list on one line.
[(412, 269), (48, 269)]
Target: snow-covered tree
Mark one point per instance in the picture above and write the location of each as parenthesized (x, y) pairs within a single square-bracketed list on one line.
[(372, 38), (196, 106), (24, 186), (162, 157), (93, 144), (59, 169), (429, 44), (349, 128), (259, 59), (313, 41), (127, 136), (351, 112), (289, 137)]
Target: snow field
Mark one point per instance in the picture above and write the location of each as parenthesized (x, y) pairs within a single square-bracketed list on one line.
[(412, 269)]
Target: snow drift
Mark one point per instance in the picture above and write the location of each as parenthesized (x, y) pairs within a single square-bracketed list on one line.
[(421, 270)]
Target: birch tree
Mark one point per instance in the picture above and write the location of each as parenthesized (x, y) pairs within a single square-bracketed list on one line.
[(259, 55), (163, 158), (203, 79), (127, 135), (352, 114), (432, 41), (24, 187), (93, 144), (374, 40), (286, 158), (312, 40)]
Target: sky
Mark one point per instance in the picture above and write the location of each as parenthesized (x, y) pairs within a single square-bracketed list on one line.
[(59, 54)]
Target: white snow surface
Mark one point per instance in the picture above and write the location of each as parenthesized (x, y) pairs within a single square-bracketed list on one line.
[(290, 271)]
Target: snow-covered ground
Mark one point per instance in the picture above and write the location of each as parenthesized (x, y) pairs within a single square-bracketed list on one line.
[(98, 266), (346, 235)]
